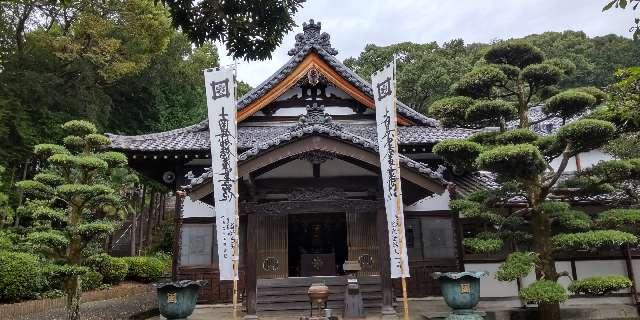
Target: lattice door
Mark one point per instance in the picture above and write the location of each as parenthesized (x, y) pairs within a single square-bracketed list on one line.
[(272, 243), (362, 241)]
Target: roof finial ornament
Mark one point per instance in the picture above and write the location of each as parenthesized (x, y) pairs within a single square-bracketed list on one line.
[(311, 36)]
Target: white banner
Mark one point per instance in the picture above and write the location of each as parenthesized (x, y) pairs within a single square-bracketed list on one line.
[(221, 108), (383, 85)]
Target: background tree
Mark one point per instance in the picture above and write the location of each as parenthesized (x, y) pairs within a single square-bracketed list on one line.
[(249, 29), (522, 161), (71, 202), (622, 4)]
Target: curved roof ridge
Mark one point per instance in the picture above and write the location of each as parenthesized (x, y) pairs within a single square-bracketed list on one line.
[(192, 128)]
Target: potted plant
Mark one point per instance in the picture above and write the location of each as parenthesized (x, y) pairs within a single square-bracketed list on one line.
[(461, 292), (177, 299)]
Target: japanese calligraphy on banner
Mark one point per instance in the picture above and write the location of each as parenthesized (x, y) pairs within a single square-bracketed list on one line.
[(221, 108), (383, 83)]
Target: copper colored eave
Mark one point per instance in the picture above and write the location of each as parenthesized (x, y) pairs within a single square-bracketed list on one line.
[(311, 60)]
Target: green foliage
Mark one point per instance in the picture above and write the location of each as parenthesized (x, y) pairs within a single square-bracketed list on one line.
[(521, 161), (615, 170), (561, 213), (600, 95), (479, 245), (541, 74), (565, 65), (569, 103), (491, 112), (485, 137), (550, 146), (479, 82), (451, 111), (593, 239), (515, 53), (79, 128), (113, 159), (46, 150), (91, 280), (517, 265), (20, 276), (620, 219), (113, 270), (516, 136), (600, 285), (544, 291), (458, 153), (145, 269), (586, 134)]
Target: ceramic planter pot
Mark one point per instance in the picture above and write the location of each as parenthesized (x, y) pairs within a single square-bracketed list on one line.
[(177, 299), (461, 292)]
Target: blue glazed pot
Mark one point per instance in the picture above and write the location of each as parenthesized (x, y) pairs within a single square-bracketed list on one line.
[(177, 299), (461, 290)]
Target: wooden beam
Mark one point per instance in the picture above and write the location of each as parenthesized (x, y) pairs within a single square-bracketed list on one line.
[(385, 267), (251, 280), (312, 60)]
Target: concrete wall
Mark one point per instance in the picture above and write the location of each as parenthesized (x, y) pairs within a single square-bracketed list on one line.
[(433, 203), (492, 288)]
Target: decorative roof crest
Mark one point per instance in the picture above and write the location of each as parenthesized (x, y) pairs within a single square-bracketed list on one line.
[(316, 115), (311, 36)]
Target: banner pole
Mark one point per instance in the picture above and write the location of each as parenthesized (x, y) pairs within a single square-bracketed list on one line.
[(236, 249), (399, 222)]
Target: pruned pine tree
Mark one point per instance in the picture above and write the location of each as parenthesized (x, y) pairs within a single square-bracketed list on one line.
[(72, 202), (490, 95)]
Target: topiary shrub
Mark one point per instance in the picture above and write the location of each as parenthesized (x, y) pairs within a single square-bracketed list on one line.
[(20, 276), (627, 219), (491, 112), (458, 153), (600, 95), (517, 265), (544, 291), (600, 285), (480, 245), (145, 269), (91, 280), (451, 111), (569, 103), (593, 239), (517, 53), (586, 134), (113, 270), (478, 82), (541, 74), (516, 136), (520, 161)]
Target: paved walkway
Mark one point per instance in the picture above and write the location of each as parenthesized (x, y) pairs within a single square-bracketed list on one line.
[(606, 308)]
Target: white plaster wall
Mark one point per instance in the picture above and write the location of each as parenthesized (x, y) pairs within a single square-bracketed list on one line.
[(587, 160), (304, 169), (197, 209), (432, 203), (340, 168), (292, 169), (489, 286)]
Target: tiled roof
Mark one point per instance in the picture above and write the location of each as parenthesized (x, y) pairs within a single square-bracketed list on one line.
[(196, 137), (542, 123), (479, 180), (334, 131), (311, 40)]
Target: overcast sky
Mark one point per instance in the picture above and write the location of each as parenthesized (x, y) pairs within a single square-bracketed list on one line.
[(354, 23)]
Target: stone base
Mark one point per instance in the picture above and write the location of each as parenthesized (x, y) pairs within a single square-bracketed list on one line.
[(389, 313), (250, 317), (466, 315)]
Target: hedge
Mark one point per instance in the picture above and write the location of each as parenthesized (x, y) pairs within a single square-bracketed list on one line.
[(544, 291), (113, 270), (479, 245), (21, 276), (517, 265), (593, 239), (145, 269)]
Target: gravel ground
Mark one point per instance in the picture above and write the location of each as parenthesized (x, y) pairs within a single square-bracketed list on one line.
[(114, 309)]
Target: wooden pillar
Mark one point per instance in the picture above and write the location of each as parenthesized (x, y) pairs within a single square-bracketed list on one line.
[(385, 268), (251, 279), (177, 234)]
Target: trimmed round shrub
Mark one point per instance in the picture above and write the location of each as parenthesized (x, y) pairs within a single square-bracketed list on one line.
[(549, 145), (593, 239), (627, 219), (145, 269), (600, 285), (478, 82), (516, 136), (489, 112), (544, 291), (600, 95), (565, 65), (479, 245), (569, 103), (451, 111), (520, 161), (113, 270), (586, 134), (458, 153), (91, 280), (20, 276), (517, 265), (484, 137), (515, 53), (541, 74)]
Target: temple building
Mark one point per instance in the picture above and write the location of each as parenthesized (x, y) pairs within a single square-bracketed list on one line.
[(310, 194)]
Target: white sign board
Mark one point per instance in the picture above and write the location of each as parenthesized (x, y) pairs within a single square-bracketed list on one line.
[(384, 94), (221, 108)]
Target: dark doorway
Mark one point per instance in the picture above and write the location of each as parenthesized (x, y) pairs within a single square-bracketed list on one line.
[(317, 244)]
